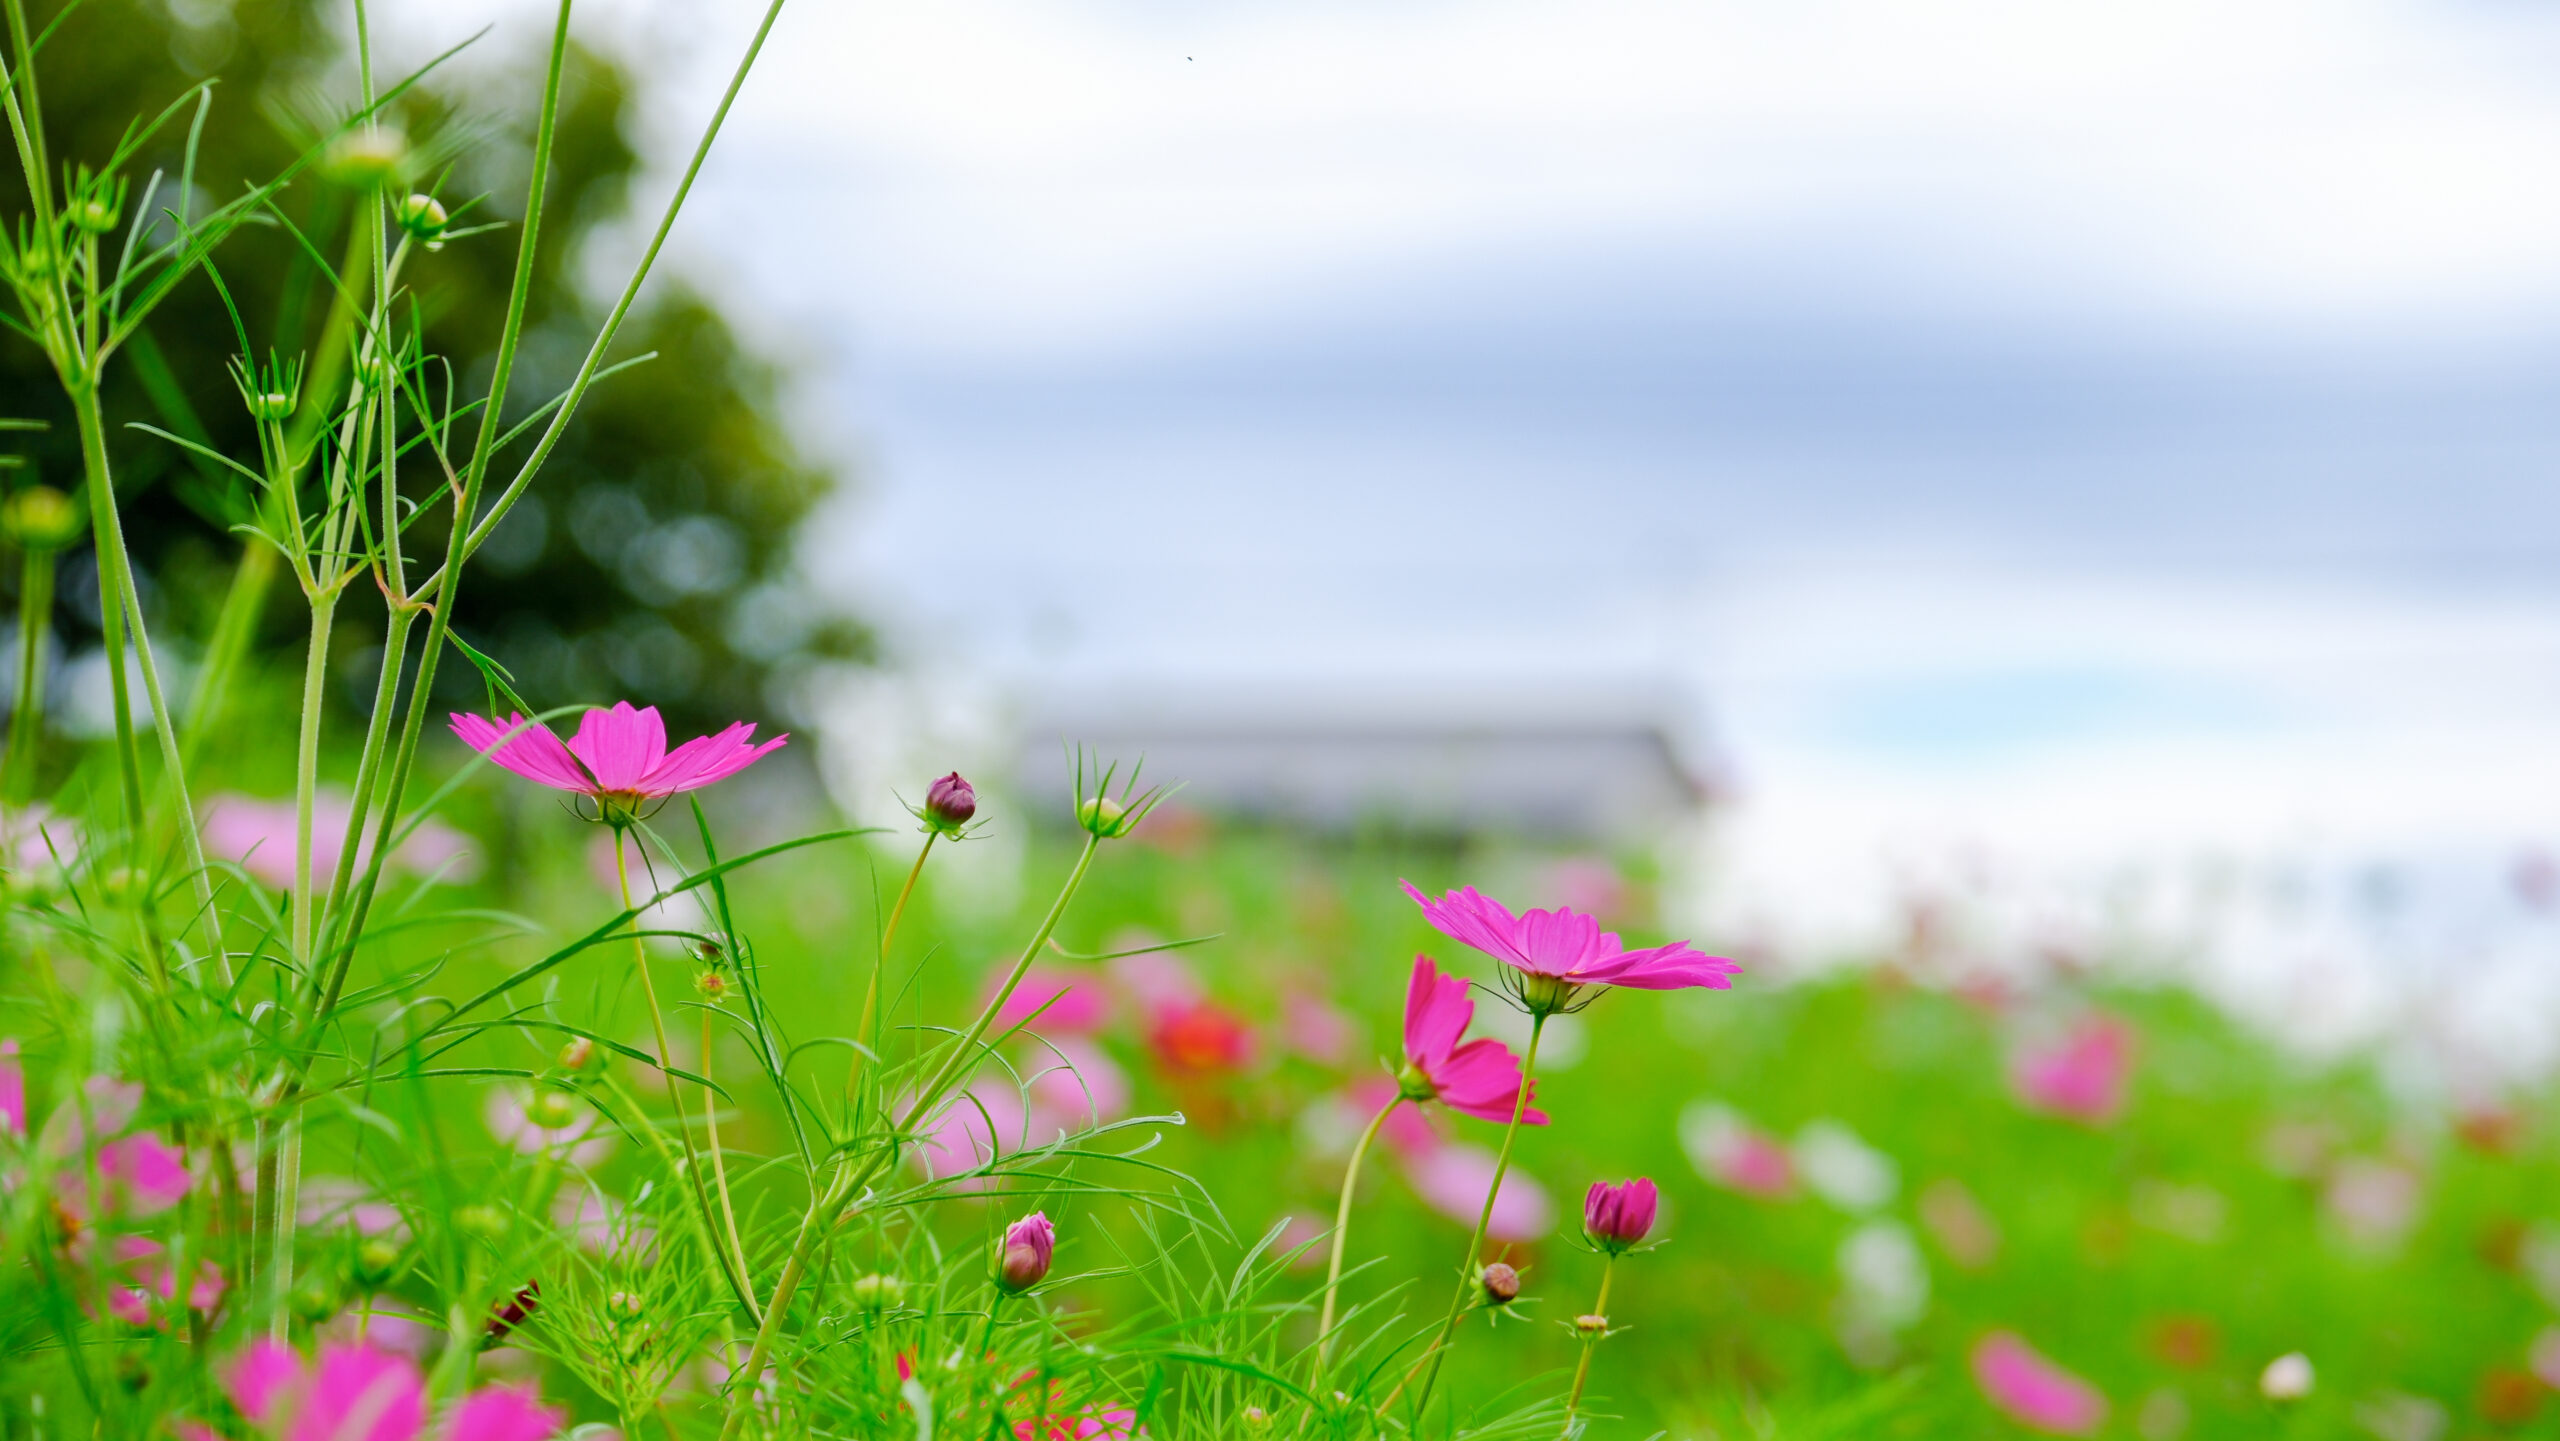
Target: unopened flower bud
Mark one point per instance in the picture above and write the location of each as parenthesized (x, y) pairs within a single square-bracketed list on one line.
[(1104, 817), (582, 1056), (2287, 1378), (624, 1307), (1029, 1245), (379, 1261), (1591, 1325), (314, 1300), (1617, 1217), (876, 1292), (948, 805), (270, 405), (366, 159), (553, 1110), (514, 1311), (713, 985), (423, 218), (1501, 1284), (40, 517), (486, 1222), (1256, 1420), (96, 214)]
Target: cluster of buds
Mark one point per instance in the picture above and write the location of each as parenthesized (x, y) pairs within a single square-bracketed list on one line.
[(39, 517), (1022, 1260)]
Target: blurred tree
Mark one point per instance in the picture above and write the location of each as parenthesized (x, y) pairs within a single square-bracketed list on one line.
[(651, 557)]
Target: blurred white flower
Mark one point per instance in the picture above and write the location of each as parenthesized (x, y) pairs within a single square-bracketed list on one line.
[(2398, 1416), (1886, 1279), (2287, 1378), (2373, 1201), (1844, 1170)]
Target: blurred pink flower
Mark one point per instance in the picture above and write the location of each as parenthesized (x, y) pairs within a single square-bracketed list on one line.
[(358, 1393), (36, 841), (617, 755), (259, 835), (13, 1089), (1587, 884), (1734, 1154), (2082, 1076), (137, 1175), (2374, 1201), (343, 1200), (1408, 1130), (1152, 980), (1110, 1424), (1480, 1078), (142, 1272), (1315, 1029), (2032, 1390), (1074, 1000), (1200, 1040), (2544, 1358), (1453, 1179), (1078, 1087), (532, 1123), (1566, 947), (1298, 1235), (597, 1222)]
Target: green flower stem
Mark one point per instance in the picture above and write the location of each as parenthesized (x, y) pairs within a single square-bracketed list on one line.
[(675, 1097), (306, 773), (868, 1042), (1342, 1230), (711, 1132), (814, 1224), (1484, 1219), (1582, 1372), (26, 725)]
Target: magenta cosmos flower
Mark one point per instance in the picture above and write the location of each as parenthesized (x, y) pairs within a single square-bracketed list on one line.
[(1554, 954), (2081, 1077), (1481, 1077), (619, 757), (361, 1394), (1617, 1217)]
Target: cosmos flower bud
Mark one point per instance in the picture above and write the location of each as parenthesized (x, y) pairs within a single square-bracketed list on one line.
[(624, 1307), (1617, 1217), (271, 405), (366, 159), (876, 1292), (423, 218), (2287, 1378), (379, 1261), (582, 1056), (315, 1299), (1104, 817), (1028, 1246), (948, 805), (1501, 1284), (713, 985), (41, 518), (1592, 1326), (553, 1110), (1256, 1420), (485, 1222)]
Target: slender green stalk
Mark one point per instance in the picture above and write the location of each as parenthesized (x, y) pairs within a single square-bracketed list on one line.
[(306, 772), (234, 628), (871, 998), (109, 538), (1590, 1343), (386, 695), (26, 723), (733, 1268), (1484, 1219), (1342, 1229), (711, 1136)]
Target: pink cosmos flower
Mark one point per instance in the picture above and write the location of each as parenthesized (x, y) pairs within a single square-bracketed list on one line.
[(619, 757), (2083, 1076), (1114, 1424), (1480, 1078), (259, 835), (1452, 1179), (1617, 1217), (1731, 1152), (1315, 1029), (2032, 1390), (1555, 953), (1078, 1087), (1408, 1131), (136, 1175), (356, 1393), (1075, 1001)]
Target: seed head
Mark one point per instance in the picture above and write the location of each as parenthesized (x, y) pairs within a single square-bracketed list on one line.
[(41, 518)]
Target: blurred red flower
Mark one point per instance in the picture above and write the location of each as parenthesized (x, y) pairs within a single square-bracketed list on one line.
[(1200, 1039)]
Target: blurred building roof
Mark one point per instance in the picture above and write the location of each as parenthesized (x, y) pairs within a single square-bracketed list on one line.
[(1581, 762)]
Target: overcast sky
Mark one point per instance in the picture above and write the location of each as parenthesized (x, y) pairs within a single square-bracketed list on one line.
[(2070, 428)]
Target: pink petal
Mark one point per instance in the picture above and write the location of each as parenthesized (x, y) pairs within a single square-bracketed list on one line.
[(259, 1376), (360, 1394), (1080, 1087), (532, 751), (502, 1413), (2032, 1390), (144, 1172), (1453, 1181), (1436, 1013), (620, 745), (1482, 1079), (716, 763), (1075, 1002)]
